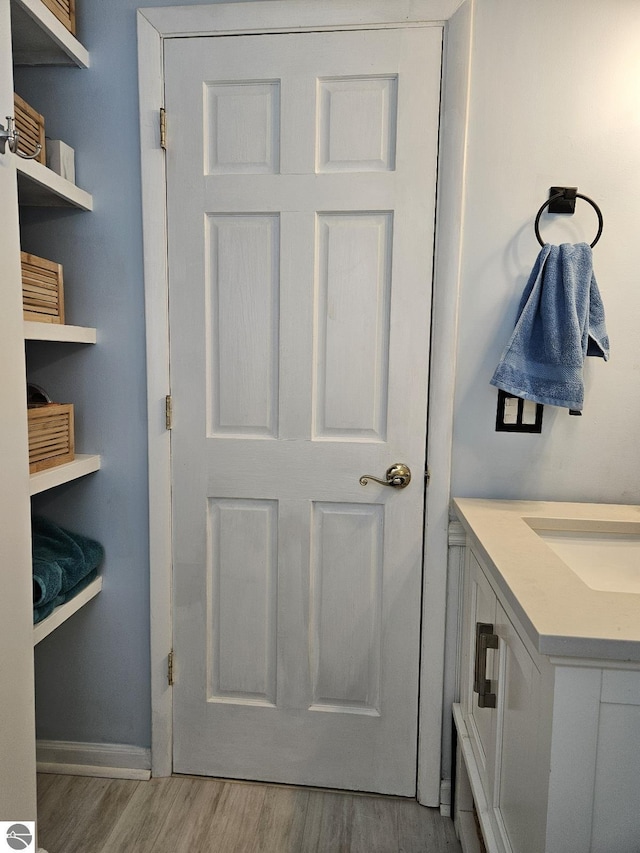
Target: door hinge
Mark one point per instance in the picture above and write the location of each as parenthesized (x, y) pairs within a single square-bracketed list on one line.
[(427, 475), (163, 128), (168, 412), (170, 668)]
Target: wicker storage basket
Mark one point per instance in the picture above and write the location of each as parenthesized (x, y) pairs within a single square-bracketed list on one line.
[(42, 289), (30, 125), (65, 12), (50, 435)]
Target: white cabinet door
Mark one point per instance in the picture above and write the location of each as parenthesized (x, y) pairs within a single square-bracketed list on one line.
[(521, 784), (481, 722), (507, 740), (616, 795)]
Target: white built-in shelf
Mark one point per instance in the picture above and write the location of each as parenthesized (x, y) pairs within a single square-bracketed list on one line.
[(64, 611), (40, 39), (34, 331), (82, 465), (42, 187)]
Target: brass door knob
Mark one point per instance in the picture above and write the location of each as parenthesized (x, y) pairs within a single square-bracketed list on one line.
[(398, 477)]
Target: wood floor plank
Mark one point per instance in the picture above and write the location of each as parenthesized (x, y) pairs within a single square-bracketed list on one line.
[(189, 819), (328, 824), (45, 781), (423, 830), (66, 812), (103, 808), (104, 816), (143, 818), (52, 795), (374, 827), (282, 821), (234, 823)]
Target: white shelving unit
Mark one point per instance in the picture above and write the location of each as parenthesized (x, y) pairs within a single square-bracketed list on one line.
[(38, 186), (83, 464), (29, 35), (64, 611), (39, 38), (34, 331)]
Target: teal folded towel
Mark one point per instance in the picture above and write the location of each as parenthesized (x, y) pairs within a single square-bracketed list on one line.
[(63, 564), (560, 322), (40, 613), (84, 581), (47, 581)]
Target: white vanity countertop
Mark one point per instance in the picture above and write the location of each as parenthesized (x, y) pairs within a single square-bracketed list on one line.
[(561, 614)]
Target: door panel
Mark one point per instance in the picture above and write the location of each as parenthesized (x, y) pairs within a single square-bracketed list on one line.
[(243, 537), (241, 124), (301, 186), (346, 590), (241, 298), (357, 124), (352, 325)]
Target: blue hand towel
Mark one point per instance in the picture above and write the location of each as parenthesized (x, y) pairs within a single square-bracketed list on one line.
[(560, 322)]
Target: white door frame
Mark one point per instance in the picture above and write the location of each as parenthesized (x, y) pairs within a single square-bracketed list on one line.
[(272, 16)]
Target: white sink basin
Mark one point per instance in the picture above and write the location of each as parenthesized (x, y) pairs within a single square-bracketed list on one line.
[(604, 559)]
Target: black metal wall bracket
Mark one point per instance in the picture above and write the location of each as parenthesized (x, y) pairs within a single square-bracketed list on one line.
[(565, 204)]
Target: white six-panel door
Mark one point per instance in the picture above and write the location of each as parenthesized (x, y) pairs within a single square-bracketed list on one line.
[(301, 185)]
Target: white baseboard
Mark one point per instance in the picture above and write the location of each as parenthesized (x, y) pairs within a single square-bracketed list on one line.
[(112, 761)]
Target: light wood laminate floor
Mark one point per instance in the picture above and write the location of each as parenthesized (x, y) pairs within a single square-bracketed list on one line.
[(183, 814)]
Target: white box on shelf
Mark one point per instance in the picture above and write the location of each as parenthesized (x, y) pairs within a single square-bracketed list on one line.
[(61, 159)]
